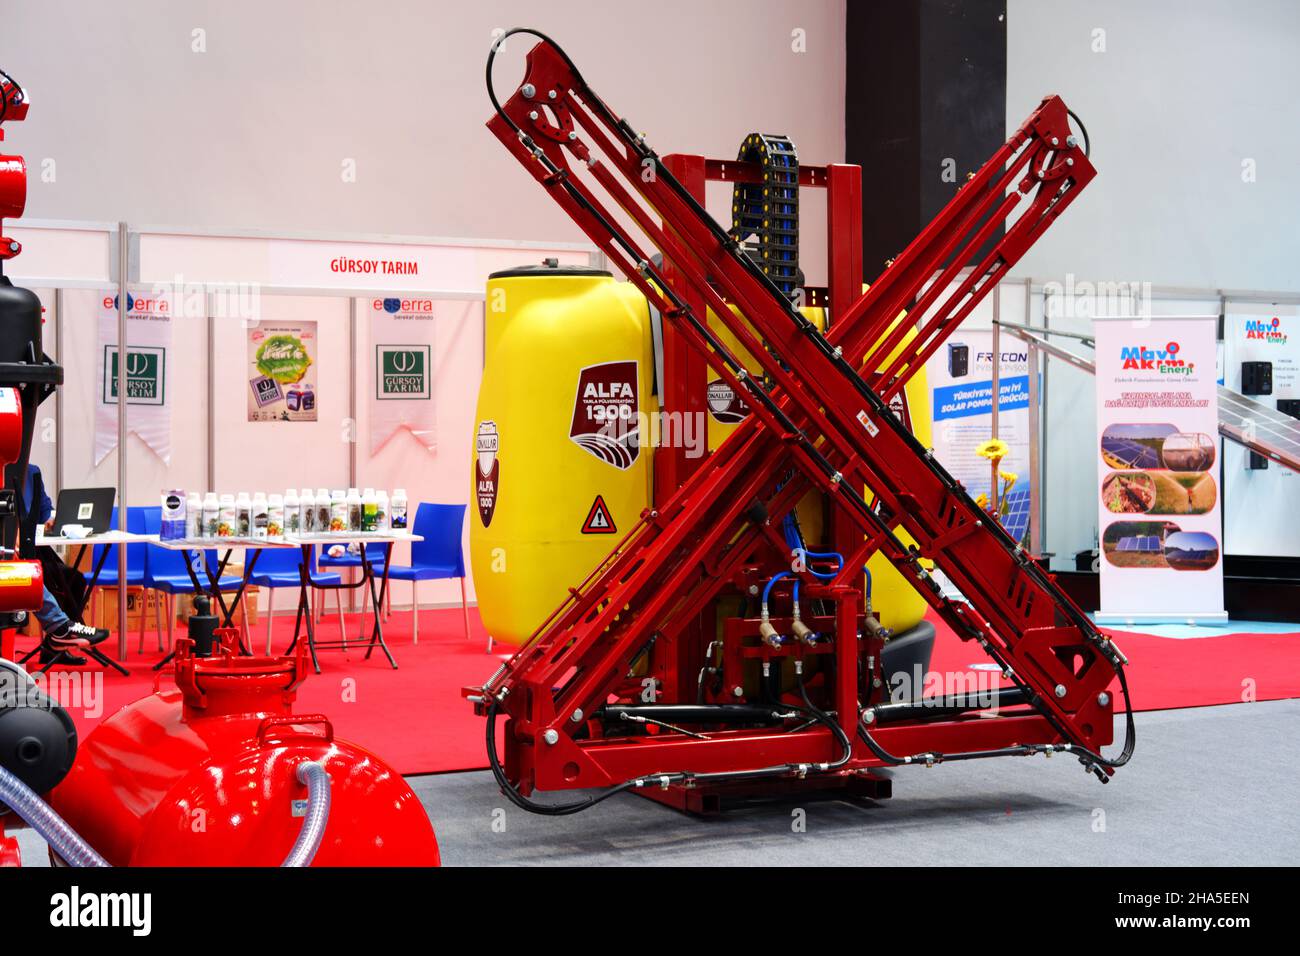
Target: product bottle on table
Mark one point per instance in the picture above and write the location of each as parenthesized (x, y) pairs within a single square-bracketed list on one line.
[(172, 527), (354, 510), (369, 510), (381, 510), (193, 516), (228, 521), (292, 512), (324, 511), (308, 511), (397, 509), (275, 516), (243, 515), (260, 516), (338, 511), (211, 514)]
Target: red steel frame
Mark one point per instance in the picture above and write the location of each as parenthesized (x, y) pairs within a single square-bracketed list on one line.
[(712, 530)]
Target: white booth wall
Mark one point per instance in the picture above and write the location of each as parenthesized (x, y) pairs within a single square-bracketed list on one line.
[(1196, 189), (220, 114)]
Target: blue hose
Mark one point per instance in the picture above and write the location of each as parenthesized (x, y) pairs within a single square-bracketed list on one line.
[(767, 591), (40, 816)]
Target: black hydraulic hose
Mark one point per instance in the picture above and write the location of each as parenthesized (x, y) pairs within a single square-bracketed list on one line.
[(663, 779), (1087, 144), (1091, 760)]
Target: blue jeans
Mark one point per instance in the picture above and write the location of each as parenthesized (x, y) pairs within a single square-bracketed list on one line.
[(51, 615)]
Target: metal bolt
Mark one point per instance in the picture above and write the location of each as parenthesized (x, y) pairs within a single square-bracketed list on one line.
[(737, 691), (533, 115), (550, 94), (753, 589), (576, 716), (1060, 690), (1069, 162), (13, 247), (1071, 141), (551, 736), (528, 90), (572, 136), (1055, 141), (1103, 698)]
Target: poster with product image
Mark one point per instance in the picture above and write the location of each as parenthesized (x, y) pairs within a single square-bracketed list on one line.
[(1157, 455), (1264, 335), (282, 372), (961, 389)]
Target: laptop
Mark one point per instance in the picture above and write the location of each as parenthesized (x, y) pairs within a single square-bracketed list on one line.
[(92, 507)]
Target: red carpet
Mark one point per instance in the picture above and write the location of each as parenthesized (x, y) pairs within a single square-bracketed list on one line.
[(1166, 673), (412, 717), (415, 718)]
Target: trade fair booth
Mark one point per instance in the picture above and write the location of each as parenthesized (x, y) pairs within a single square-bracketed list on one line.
[(371, 550)]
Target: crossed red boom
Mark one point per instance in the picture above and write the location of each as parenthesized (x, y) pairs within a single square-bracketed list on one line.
[(821, 420)]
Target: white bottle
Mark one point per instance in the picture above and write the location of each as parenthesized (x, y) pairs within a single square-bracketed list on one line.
[(307, 501), (338, 511), (293, 523), (211, 515), (324, 507), (228, 520), (369, 510), (243, 515), (397, 510), (259, 516), (275, 516), (193, 516), (354, 510), (381, 510)]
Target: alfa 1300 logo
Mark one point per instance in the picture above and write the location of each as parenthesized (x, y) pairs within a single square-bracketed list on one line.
[(605, 413)]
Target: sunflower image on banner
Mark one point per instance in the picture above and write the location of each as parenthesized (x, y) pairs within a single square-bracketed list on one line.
[(282, 372)]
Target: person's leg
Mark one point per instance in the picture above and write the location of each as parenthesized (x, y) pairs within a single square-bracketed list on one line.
[(51, 615), (57, 625)]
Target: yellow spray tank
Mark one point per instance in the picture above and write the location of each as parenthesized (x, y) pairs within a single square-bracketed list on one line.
[(559, 472)]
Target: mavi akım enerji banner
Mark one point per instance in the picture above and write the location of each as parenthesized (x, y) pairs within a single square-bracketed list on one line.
[(1157, 475)]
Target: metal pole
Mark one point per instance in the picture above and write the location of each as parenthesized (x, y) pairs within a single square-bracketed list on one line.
[(352, 391), (58, 394), (1035, 434), (352, 419), (1038, 518), (123, 267), (212, 393), (997, 366)]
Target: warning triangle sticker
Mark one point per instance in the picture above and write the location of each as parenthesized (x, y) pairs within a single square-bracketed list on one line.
[(599, 520)]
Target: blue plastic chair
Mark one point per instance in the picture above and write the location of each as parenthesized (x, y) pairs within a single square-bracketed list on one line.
[(349, 559), (279, 568), (166, 572), (438, 556)]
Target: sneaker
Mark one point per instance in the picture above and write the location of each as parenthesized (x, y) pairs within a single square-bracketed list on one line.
[(72, 633), (61, 658)]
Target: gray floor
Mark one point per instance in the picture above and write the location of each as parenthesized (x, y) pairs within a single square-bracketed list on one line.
[(1211, 785)]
